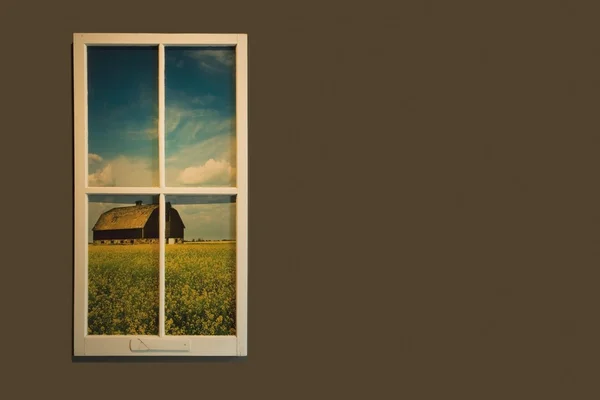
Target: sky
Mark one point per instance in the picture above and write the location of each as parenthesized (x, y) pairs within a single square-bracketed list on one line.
[(199, 129), (199, 116), (206, 217)]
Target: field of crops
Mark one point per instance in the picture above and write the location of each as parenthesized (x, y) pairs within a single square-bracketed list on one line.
[(199, 289)]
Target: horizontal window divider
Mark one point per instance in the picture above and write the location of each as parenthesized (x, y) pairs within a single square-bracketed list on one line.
[(159, 190), (175, 39), (166, 337)]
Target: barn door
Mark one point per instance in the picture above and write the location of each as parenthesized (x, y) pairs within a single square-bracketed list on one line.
[(160, 194)]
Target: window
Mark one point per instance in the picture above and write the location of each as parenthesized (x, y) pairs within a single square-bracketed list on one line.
[(161, 194)]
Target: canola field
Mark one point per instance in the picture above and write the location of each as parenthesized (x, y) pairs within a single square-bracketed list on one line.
[(200, 287)]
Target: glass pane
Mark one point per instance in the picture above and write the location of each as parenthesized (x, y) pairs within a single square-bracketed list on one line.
[(200, 265), (122, 116), (200, 143), (123, 265)]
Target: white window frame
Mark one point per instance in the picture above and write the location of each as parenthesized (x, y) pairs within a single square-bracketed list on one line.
[(161, 344)]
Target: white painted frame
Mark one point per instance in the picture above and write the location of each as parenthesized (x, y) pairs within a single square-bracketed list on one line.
[(160, 345)]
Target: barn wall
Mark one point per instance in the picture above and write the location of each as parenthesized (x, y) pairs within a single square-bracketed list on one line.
[(175, 226), (151, 227), (117, 234)]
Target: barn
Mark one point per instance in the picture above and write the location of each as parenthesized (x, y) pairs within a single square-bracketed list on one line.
[(137, 224)]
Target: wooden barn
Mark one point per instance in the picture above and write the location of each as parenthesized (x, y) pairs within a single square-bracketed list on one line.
[(137, 224)]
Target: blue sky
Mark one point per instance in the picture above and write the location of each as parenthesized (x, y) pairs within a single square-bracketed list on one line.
[(199, 127), (123, 116)]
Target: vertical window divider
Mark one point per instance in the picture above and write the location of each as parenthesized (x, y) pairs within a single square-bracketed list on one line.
[(85, 110), (161, 115), (241, 66), (80, 196), (161, 169), (161, 279)]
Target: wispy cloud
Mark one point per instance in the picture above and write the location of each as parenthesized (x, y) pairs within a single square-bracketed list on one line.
[(213, 60), (184, 120), (150, 132)]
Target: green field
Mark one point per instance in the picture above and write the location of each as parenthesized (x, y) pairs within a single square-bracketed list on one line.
[(199, 289)]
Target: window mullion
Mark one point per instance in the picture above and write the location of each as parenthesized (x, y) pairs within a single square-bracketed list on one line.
[(161, 280), (161, 171), (161, 115)]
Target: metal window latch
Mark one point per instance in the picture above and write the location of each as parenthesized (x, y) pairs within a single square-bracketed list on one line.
[(158, 345)]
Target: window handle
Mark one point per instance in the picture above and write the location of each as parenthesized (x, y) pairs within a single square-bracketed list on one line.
[(156, 345)]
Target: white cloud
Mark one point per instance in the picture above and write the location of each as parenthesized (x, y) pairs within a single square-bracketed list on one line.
[(102, 177), (212, 172), (125, 171), (195, 159), (92, 158), (195, 136)]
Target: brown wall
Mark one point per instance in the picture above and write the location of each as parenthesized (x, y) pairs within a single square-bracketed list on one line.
[(423, 211)]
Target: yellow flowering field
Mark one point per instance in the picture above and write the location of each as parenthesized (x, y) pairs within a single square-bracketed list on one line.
[(199, 289)]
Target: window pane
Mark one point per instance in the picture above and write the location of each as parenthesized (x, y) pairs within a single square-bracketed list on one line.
[(200, 265), (122, 116), (200, 116), (123, 265)]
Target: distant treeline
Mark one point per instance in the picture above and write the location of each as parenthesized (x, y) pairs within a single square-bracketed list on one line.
[(209, 240), (200, 240)]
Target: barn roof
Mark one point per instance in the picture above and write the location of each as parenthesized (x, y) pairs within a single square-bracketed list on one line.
[(133, 217)]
